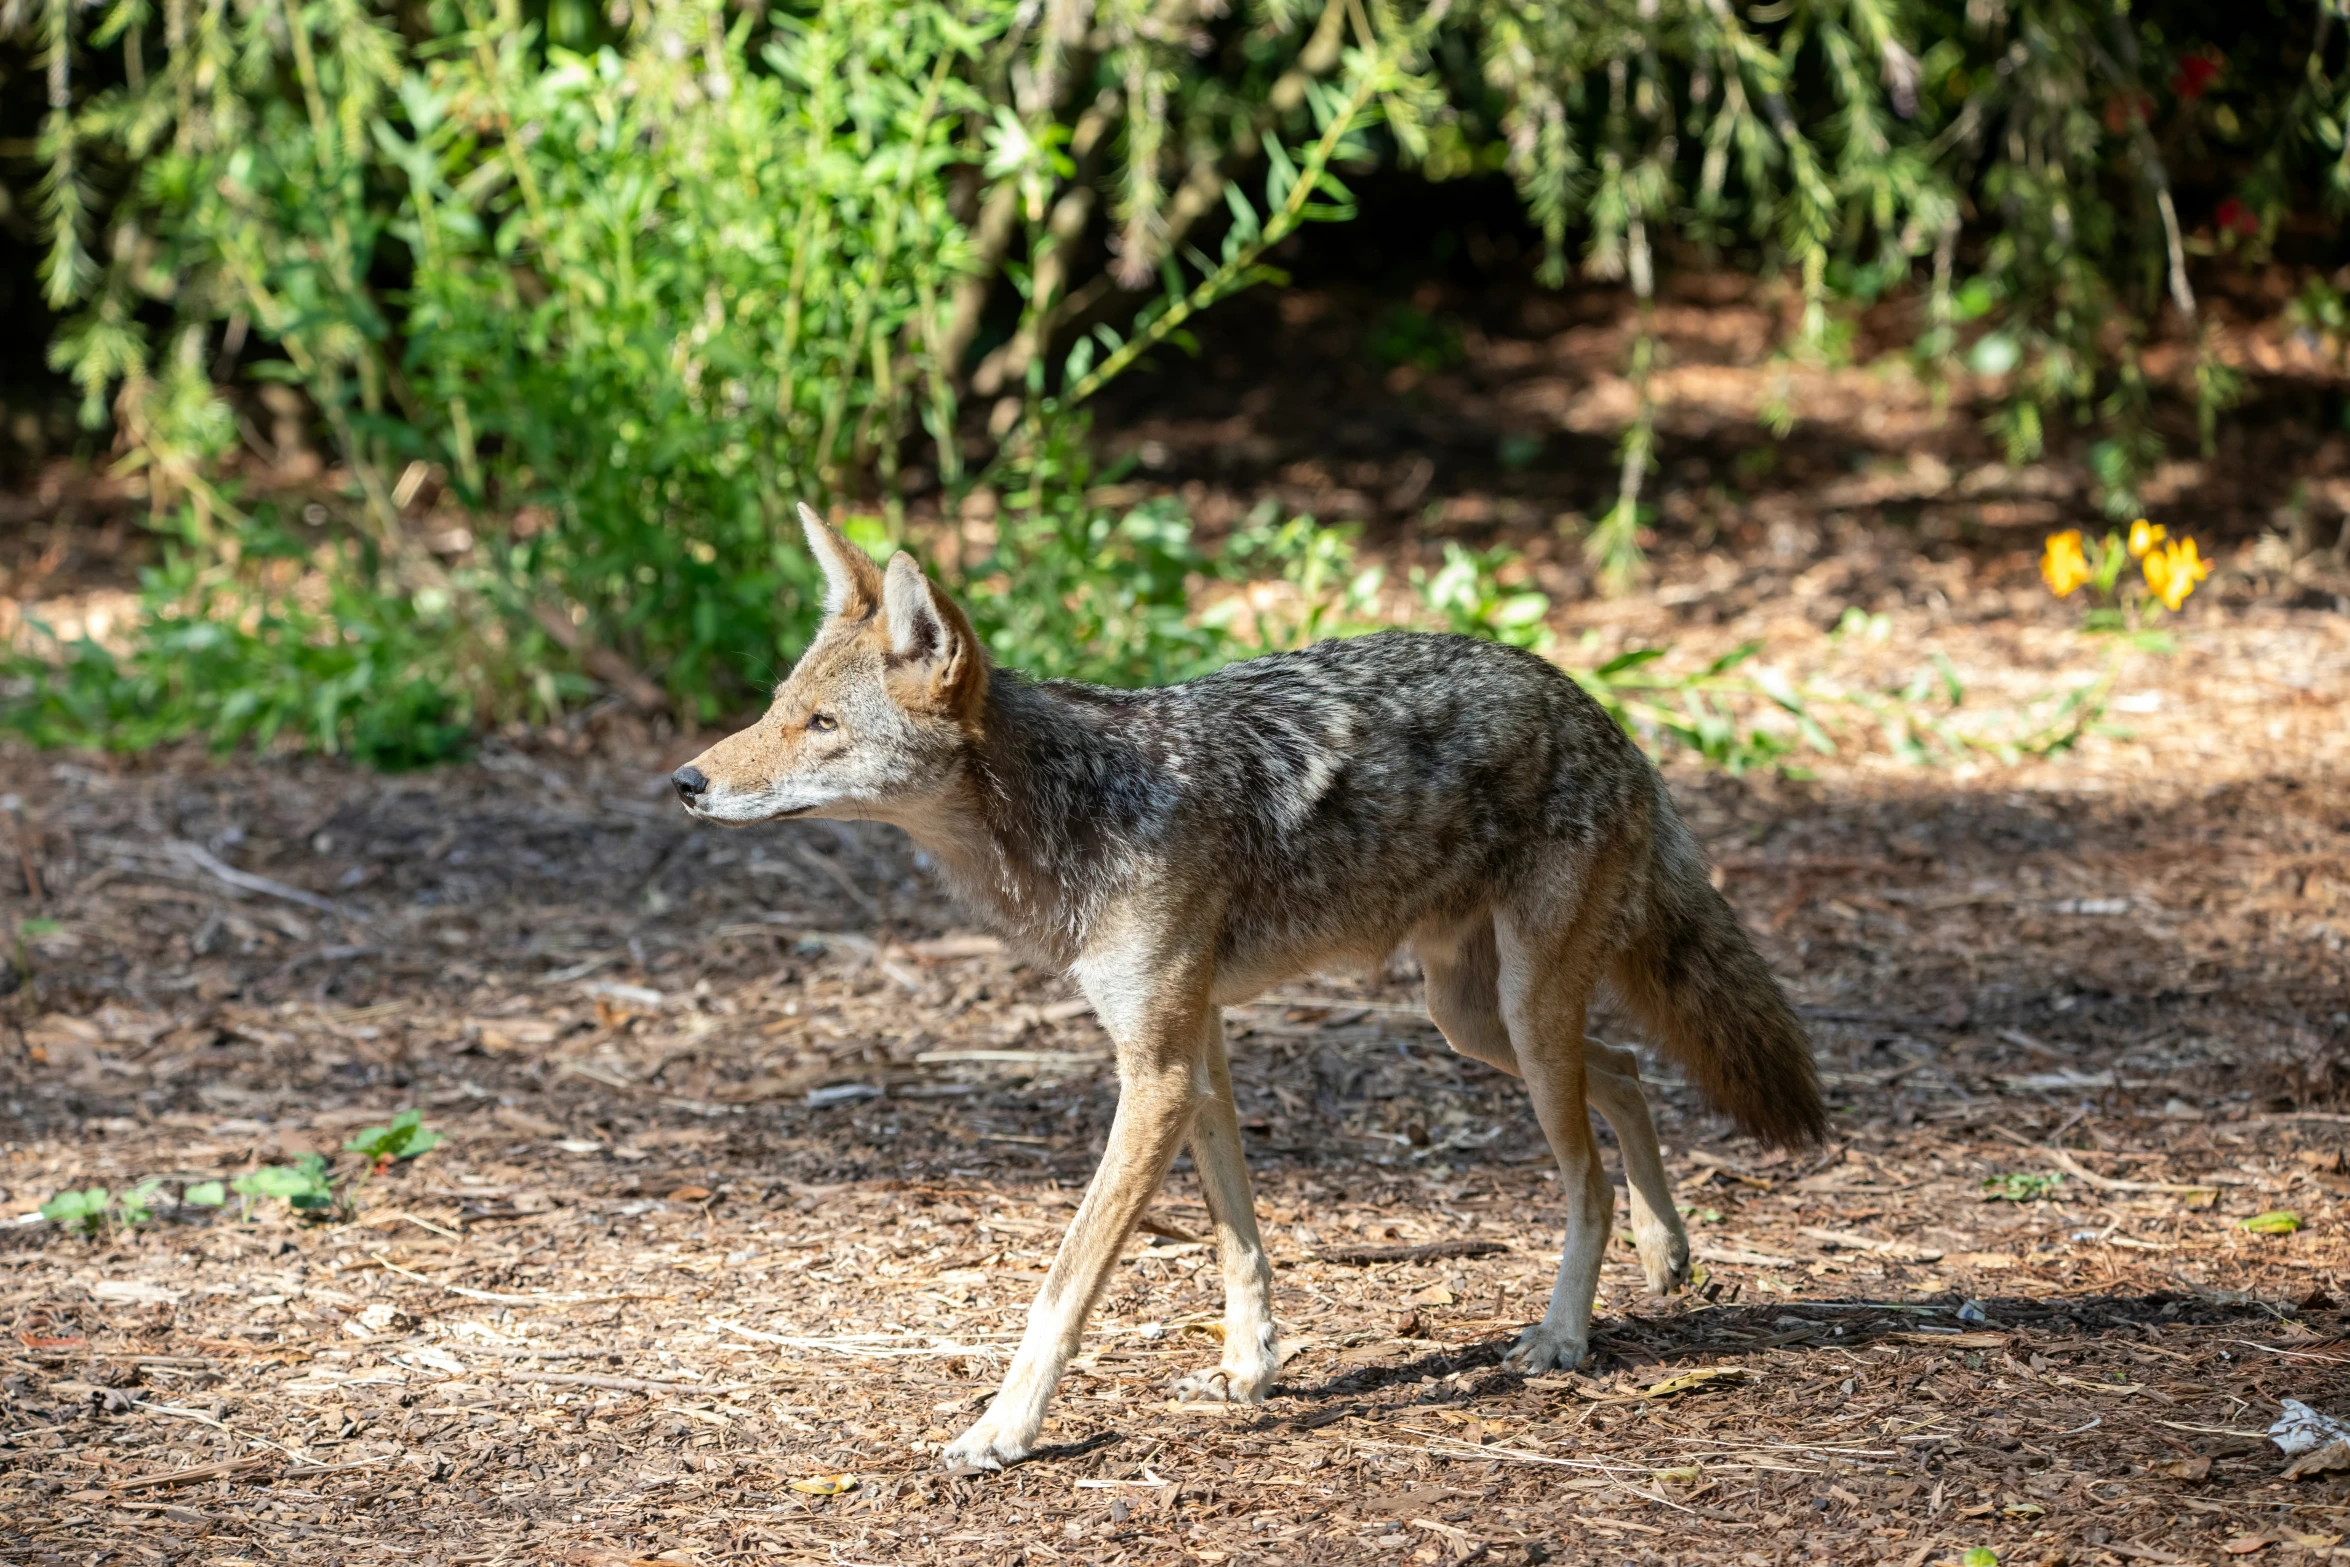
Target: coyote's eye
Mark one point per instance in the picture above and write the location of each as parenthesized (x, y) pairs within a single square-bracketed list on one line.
[(823, 723)]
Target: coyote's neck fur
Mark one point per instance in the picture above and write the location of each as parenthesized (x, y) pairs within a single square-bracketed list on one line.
[(1043, 825)]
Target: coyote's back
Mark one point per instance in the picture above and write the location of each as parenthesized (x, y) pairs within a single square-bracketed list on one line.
[(1332, 801)]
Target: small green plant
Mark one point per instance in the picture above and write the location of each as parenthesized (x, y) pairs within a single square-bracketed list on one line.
[(1858, 625), (1327, 594), (137, 1205), (84, 1210), (2277, 1221), (304, 1184), (405, 1138), (1979, 1556), (1698, 710), (2022, 1186), (1465, 595), (95, 1207)]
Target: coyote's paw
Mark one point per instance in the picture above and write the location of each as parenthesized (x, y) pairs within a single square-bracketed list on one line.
[(1225, 1384), (1252, 1359), (986, 1445), (1664, 1257), (1544, 1348)]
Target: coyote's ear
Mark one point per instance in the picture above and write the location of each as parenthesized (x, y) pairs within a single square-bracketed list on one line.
[(852, 583), (930, 640)]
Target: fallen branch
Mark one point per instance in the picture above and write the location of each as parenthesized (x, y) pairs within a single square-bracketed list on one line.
[(197, 1475), (214, 866), (1847, 1240), (313, 1471), (509, 1300), (1367, 1256), (2106, 1183), (1737, 1257), (616, 1384)]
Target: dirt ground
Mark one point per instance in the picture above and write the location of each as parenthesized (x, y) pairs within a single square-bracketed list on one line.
[(755, 1151)]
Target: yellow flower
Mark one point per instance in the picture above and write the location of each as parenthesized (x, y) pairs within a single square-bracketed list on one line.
[(2173, 571), (2062, 565), (2144, 536)]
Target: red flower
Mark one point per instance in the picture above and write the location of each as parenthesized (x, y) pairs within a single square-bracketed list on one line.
[(2195, 75), (2234, 216)]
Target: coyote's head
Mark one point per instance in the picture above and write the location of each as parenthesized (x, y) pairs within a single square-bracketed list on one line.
[(873, 719)]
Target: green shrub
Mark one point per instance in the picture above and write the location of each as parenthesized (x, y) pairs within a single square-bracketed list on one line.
[(601, 302), (373, 673)]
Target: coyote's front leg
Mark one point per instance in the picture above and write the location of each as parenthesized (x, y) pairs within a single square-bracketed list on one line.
[(1251, 1357), (1156, 1015)]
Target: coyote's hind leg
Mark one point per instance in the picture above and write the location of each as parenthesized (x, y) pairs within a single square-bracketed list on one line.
[(1545, 982), (1464, 999), (1251, 1357), (1463, 968), (1612, 1079)]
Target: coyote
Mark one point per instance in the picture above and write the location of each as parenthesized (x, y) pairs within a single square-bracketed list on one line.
[(1181, 849)]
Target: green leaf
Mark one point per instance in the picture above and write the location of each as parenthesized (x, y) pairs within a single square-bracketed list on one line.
[(1628, 661), (86, 1208), (1521, 609), (205, 1194), (1952, 686), (2277, 1221), (303, 1184), (1979, 1556), (405, 1138), (2022, 1186), (137, 1205), (1732, 659)]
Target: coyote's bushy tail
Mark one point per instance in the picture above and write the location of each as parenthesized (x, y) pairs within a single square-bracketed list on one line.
[(1695, 982)]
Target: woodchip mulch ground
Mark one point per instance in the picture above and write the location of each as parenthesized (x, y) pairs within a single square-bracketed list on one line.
[(755, 1152)]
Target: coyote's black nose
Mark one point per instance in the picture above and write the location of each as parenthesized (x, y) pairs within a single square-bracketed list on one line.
[(691, 785)]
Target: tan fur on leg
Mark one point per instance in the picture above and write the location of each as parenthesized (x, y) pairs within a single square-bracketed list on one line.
[(1159, 1027), (1612, 1079), (1251, 1358), (1545, 984), (1462, 968), (1465, 1002)]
